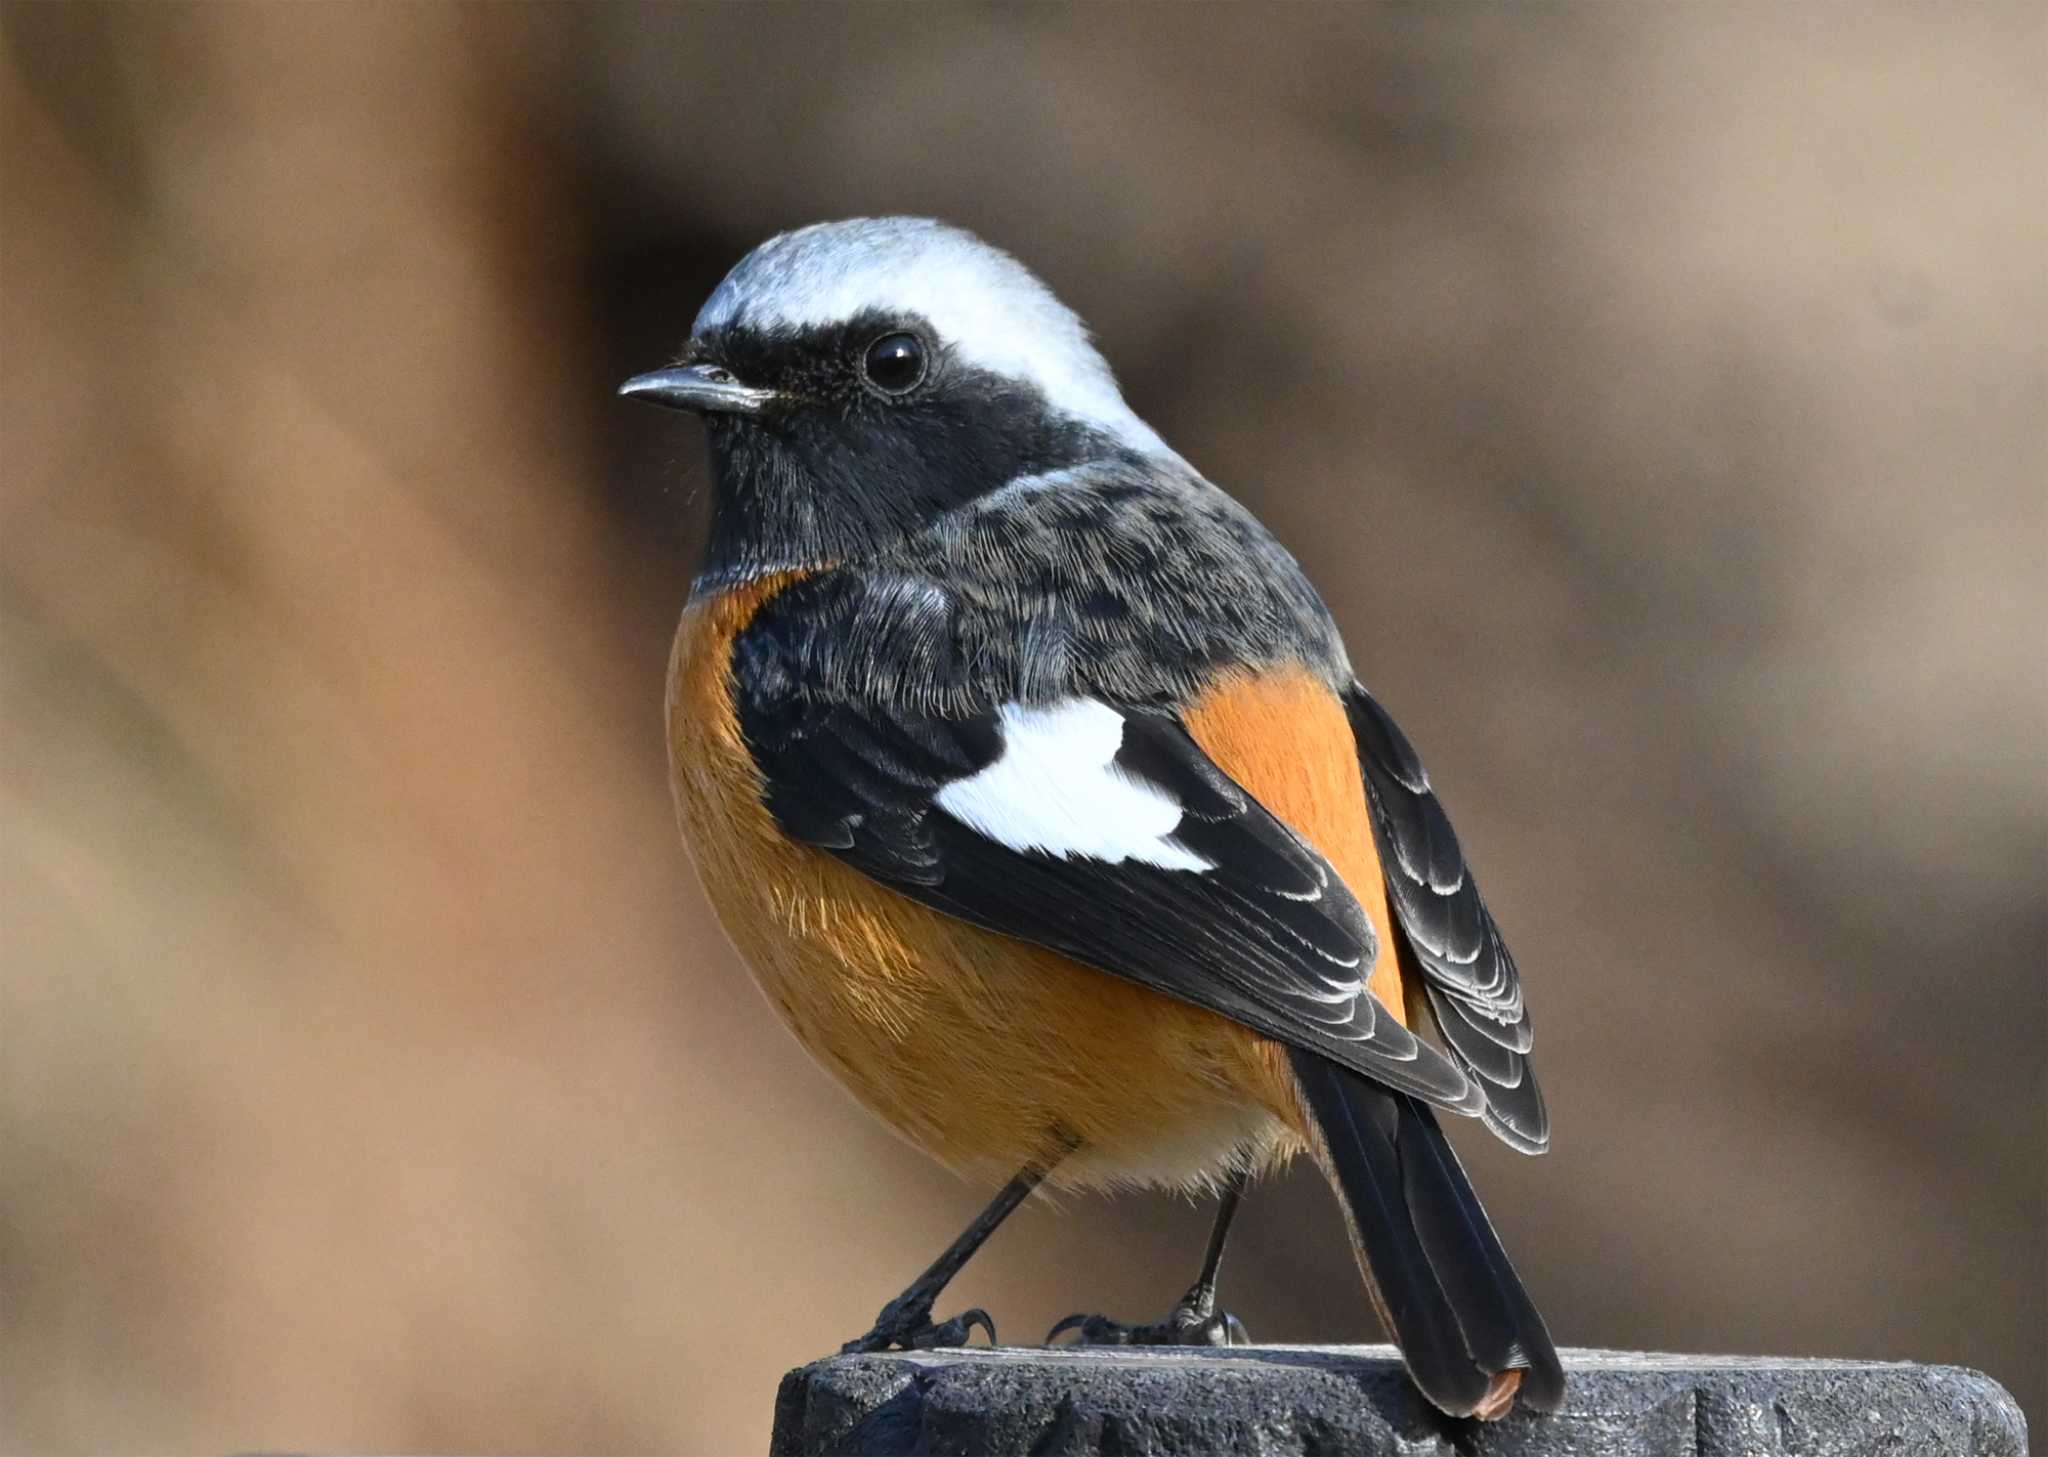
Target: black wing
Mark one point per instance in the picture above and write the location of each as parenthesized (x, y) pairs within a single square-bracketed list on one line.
[(1103, 833), (1447, 935)]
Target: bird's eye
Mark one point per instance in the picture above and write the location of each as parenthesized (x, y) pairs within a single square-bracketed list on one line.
[(895, 363)]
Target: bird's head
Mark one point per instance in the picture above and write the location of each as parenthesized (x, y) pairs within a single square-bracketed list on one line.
[(859, 378)]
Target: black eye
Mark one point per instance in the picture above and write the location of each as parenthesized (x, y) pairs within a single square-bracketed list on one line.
[(895, 363)]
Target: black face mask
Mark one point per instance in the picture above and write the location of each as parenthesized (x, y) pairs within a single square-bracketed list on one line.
[(879, 431)]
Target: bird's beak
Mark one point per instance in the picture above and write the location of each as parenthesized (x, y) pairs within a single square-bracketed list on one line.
[(702, 389)]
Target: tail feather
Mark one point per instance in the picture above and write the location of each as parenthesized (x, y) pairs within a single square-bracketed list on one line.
[(1444, 1286)]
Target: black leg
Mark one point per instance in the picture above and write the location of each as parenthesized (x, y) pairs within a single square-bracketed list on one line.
[(1195, 1321), (1204, 1290), (906, 1322)]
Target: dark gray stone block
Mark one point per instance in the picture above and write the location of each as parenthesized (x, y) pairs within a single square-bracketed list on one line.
[(1304, 1401)]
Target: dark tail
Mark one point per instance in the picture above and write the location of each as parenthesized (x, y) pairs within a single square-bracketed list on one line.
[(1443, 1284)]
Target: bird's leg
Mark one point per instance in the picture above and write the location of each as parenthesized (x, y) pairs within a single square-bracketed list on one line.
[(906, 1322), (1195, 1321)]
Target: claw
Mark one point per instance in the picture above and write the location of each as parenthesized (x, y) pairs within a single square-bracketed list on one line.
[(958, 1331), (1071, 1323), (910, 1328), (1098, 1330), (1185, 1327)]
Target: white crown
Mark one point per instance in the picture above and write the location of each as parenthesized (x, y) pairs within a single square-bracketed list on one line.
[(988, 308)]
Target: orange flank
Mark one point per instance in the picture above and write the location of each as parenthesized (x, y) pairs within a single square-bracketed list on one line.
[(1284, 736)]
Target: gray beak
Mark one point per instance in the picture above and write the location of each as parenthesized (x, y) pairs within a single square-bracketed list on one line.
[(702, 389)]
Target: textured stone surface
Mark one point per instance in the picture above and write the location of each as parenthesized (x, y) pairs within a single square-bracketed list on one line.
[(1285, 1400)]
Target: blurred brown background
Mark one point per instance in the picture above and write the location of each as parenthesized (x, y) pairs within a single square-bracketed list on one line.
[(1657, 394)]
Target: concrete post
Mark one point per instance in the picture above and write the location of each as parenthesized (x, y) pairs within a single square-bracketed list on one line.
[(1293, 1401)]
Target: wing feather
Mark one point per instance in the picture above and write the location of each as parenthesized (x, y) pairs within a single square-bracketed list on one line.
[(1225, 907), (1447, 934)]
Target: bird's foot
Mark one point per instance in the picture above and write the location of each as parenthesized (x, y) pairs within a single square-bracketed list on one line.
[(1194, 1322), (906, 1324)]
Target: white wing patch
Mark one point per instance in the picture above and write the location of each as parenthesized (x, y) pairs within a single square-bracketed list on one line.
[(1058, 791)]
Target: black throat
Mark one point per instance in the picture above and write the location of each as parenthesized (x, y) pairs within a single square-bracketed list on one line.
[(836, 471)]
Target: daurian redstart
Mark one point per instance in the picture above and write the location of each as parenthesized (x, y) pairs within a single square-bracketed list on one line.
[(1029, 774)]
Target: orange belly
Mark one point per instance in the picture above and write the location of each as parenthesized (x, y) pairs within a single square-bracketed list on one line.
[(983, 1050)]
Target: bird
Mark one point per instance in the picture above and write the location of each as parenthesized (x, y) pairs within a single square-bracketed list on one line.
[(1030, 777)]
